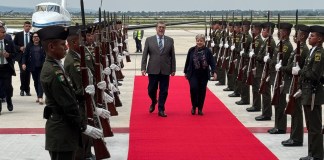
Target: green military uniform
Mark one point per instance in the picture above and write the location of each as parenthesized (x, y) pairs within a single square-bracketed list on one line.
[(245, 89), (280, 125), (219, 70), (230, 77), (266, 96), (297, 127), (256, 102), (236, 52), (310, 84)]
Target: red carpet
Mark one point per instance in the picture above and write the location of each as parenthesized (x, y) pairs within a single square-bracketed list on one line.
[(217, 135)]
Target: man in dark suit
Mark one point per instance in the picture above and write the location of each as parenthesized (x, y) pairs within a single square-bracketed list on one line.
[(160, 66), (7, 70), (21, 40)]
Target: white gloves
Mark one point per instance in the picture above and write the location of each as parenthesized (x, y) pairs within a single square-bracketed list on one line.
[(208, 38), (241, 53), (298, 93), (102, 113), (113, 88), (108, 98), (220, 45), (251, 54), (120, 58), (232, 47), (90, 89), (226, 45), (265, 58), (116, 49), (93, 132), (278, 66), (114, 67), (125, 53), (212, 44), (106, 71), (126, 41), (295, 70), (120, 44), (102, 85)]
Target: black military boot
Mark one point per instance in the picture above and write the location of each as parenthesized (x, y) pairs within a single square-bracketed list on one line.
[(9, 104)]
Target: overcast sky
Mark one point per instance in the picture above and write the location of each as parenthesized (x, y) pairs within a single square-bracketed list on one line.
[(179, 5)]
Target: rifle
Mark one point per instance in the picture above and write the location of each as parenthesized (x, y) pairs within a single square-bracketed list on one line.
[(226, 50), (125, 39), (241, 64), (294, 83), (114, 44), (250, 76), (266, 69), (113, 74), (278, 79), (105, 50), (210, 37), (231, 65), (206, 42), (99, 145), (222, 49)]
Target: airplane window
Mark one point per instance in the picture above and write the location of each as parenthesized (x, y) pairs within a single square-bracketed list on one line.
[(53, 8), (41, 8)]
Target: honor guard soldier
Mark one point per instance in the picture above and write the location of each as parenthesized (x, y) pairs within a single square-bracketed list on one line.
[(297, 126), (244, 54), (257, 70), (312, 92), (267, 49), (216, 34), (222, 38), (280, 125), (230, 78), (236, 48), (64, 124)]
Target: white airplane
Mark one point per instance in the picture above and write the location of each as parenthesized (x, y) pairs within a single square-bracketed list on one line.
[(50, 14)]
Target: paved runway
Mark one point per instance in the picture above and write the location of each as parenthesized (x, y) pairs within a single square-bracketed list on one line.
[(27, 145)]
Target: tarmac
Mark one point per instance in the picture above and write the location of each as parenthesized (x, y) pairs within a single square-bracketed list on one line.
[(30, 145)]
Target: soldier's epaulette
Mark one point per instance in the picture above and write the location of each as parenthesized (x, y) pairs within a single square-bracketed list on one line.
[(317, 56)]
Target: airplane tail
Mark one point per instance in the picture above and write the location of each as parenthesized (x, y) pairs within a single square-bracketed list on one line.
[(63, 4)]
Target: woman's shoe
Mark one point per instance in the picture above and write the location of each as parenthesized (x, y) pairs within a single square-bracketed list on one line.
[(41, 101), (200, 112), (37, 100), (193, 111)]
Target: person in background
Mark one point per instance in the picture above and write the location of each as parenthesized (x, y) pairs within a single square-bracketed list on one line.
[(160, 66), (198, 61), (8, 36), (138, 35), (7, 69), (32, 61), (21, 40)]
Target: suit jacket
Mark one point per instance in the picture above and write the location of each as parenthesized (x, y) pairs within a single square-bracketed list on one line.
[(19, 42), (164, 62), (9, 47), (28, 57)]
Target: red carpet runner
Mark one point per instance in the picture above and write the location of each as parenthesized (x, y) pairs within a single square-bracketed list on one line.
[(217, 135)]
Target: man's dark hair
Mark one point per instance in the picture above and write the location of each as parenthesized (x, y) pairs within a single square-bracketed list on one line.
[(27, 22)]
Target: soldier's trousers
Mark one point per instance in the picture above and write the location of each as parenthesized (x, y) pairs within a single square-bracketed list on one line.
[(266, 101), (280, 116), (237, 84), (297, 126), (62, 155), (245, 89), (255, 93), (230, 81), (220, 75), (315, 136)]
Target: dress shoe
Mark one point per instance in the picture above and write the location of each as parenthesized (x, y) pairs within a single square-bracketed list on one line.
[(228, 89), (234, 95), (262, 118), (162, 114), (253, 109), (22, 93), (193, 111), (10, 107), (291, 143), (276, 131), (219, 84), (28, 94), (41, 101), (152, 107), (241, 102), (0, 107), (200, 112)]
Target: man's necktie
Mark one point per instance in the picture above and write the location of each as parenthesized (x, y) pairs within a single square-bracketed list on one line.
[(160, 45), (26, 39), (1, 53)]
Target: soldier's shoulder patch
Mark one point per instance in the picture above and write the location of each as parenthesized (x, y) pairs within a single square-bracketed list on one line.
[(285, 48), (317, 57), (257, 43), (60, 75)]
